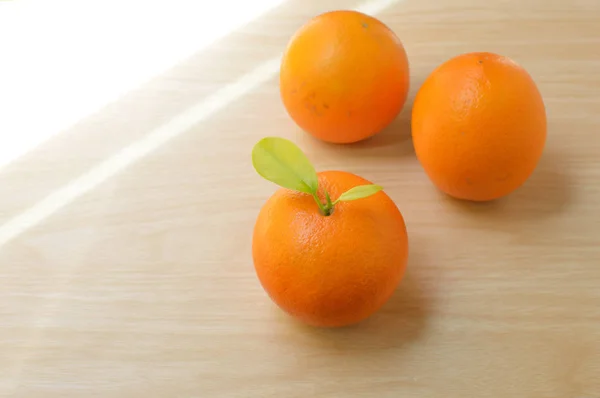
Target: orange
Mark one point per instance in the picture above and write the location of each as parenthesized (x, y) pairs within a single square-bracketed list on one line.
[(344, 76), (331, 270), (479, 126)]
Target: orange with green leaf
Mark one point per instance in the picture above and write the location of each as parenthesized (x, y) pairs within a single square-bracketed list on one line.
[(329, 248)]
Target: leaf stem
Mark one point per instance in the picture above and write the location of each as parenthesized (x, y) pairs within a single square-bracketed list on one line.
[(325, 208), (329, 204), (321, 207)]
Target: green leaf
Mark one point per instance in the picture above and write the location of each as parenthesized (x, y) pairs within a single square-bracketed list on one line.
[(359, 192), (280, 161)]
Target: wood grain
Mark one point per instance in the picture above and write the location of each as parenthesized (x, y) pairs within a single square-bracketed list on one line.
[(144, 286)]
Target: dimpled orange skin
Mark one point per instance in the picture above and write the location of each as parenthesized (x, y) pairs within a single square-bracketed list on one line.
[(330, 271), (479, 126), (344, 76)]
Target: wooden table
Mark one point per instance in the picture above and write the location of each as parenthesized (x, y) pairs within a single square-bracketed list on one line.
[(125, 264)]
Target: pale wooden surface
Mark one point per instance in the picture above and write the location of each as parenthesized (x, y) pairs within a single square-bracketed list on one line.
[(144, 286)]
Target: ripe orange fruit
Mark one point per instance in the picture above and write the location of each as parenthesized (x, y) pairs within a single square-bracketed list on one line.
[(330, 270), (479, 126), (344, 76)]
